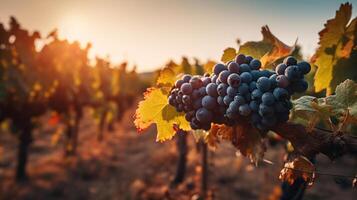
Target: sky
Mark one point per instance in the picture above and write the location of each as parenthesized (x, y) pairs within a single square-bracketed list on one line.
[(148, 33)]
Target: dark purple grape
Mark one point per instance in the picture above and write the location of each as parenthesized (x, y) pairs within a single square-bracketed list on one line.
[(268, 98), (209, 102), (214, 78), (186, 99), (254, 106), (248, 97), (263, 84), (206, 81), (280, 69), (269, 121), (190, 115), (197, 103), (244, 110), (255, 64), (288, 61), (239, 99), (304, 67), (255, 118), (233, 80), (255, 74), (233, 67), (234, 106), (240, 59), (223, 76), (256, 94), (186, 78), (220, 101), (227, 100), (280, 93), (282, 81), (248, 59), (204, 116), (299, 86), (292, 73), (178, 83), (172, 100), (252, 86), (222, 89), (211, 89), (195, 94), (231, 91), (218, 68), (246, 77), (273, 82), (202, 92), (196, 82), (244, 68), (186, 88), (243, 89), (265, 110)]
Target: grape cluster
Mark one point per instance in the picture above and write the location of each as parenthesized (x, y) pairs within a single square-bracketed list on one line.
[(240, 90)]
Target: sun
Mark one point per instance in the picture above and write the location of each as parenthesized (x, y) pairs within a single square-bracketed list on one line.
[(74, 27)]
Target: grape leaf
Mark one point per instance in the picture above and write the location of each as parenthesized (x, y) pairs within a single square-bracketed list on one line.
[(208, 67), (168, 75), (300, 167), (228, 54), (337, 40), (218, 132), (154, 109), (249, 142), (344, 102), (268, 50), (312, 110)]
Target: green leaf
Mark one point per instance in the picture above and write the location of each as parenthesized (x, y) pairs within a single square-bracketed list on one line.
[(337, 41)]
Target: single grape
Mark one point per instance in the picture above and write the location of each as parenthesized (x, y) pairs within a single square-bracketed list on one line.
[(266, 73), (233, 80), (280, 69), (223, 76), (292, 73), (246, 77), (218, 68), (227, 100), (263, 84), (240, 59), (206, 80), (243, 89), (255, 74), (231, 91), (299, 86), (195, 94), (202, 92), (203, 115), (248, 97), (244, 110), (214, 78), (280, 93), (256, 94), (186, 88), (194, 124), (255, 118), (196, 82), (244, 68), (254, 106), (180, 108), (282, 81), (268, 98), (273, 82), (190, 115), (288, 61), (209, 102), (234, 106), (239, 99), (265, 110), (222, 89), (172, 100), (197, 103), (187, 108), (248, 59), (186, 78), (220, 101), (233, 67), (304, 67), (252, 86), (211, 89), (255, 64), (178, 83), (186, 99)]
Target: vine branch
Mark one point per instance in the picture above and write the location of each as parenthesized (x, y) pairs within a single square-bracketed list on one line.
[(317, 141)]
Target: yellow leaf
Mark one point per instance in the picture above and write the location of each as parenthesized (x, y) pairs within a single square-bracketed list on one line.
[(208, 67), (228, 54), (154, 109), (168, 75)]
